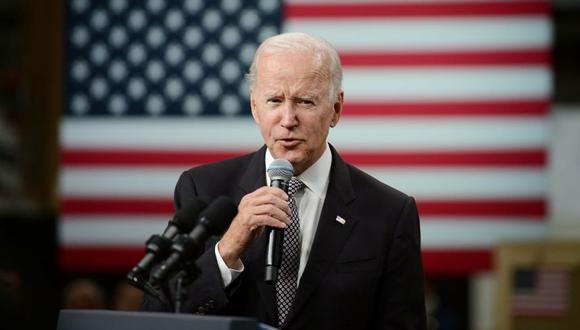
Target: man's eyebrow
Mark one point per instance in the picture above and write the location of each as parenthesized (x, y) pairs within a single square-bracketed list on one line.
[(271, 94), (306, 96)]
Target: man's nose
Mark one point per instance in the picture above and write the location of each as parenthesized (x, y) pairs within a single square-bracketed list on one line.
[(289, 115)]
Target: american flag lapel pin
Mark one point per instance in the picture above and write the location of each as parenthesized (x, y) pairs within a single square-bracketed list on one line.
[(340, 220)]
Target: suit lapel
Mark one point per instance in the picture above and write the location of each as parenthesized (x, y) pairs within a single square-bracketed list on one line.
[(254, 178), (330, 235), (255, 175)]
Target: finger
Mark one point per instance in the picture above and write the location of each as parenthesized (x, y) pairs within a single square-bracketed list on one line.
[(269, 221), (264, 205), (270, 191), (273, 211), (261, 221), (270, 200)]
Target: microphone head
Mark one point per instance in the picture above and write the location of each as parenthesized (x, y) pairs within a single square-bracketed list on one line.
[(280, 169), (218, 215), (186, 217)]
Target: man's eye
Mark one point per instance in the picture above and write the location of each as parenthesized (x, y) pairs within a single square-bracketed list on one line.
[(274, 100), (306, 102)]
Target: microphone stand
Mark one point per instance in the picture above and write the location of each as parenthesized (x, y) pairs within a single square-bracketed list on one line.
[(189, 273), (185, 277)]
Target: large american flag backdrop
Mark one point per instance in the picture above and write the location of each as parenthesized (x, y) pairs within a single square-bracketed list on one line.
[(445, 100)]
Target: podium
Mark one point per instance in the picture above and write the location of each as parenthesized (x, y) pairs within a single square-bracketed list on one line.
[(113, 320)]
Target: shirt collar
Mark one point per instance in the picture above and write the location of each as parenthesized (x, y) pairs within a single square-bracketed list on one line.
[(315, 177)]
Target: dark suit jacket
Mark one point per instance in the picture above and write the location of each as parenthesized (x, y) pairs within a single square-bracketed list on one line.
[(364, 274)]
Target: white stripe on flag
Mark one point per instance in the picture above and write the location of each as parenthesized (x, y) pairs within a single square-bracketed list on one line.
[(368, 133), (413, 34), (457, 83), (449, 232), (437, 183), (465, 183), (103, 230)]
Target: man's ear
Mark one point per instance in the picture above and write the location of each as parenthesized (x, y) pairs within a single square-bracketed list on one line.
[(337, 107), (253, 105)]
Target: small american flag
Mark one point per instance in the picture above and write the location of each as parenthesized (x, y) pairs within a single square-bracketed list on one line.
[(541, 292)]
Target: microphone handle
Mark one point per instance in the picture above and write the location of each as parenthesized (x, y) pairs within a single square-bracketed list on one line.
[(184, 248), (146, 262), (157, 247), (274, 243), (275, 240), (166, 268)]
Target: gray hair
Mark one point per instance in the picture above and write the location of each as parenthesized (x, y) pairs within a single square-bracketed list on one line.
[(323, 51)]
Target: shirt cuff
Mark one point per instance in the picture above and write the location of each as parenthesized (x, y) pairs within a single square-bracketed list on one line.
[(228, 274)]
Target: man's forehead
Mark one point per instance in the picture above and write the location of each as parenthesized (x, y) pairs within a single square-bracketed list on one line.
[(298, 72), (292, 72), (308, 85), (306, 61)]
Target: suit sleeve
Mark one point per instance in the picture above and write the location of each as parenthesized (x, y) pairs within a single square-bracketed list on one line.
[(206, 294), (402, 301)]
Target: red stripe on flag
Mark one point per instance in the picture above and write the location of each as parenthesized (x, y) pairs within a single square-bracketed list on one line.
[(519, 158), (129, 157), (512, 57), (118, 206), (102, 260), (453, 9), (533, 157), (456, 262), (482, 108), (119, 260), (489, 208), (131, 206)]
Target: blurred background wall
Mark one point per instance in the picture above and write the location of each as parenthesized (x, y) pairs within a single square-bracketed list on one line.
[(473, 107)]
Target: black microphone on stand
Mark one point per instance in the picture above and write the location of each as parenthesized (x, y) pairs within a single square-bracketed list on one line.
[(213, 221), (280, 172), (159, 246)]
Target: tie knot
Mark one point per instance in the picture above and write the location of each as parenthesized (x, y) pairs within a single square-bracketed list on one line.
[(295, 186)]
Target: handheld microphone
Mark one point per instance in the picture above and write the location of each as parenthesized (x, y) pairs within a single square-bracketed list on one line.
[(158, 246), (213, 221), (280, 172)]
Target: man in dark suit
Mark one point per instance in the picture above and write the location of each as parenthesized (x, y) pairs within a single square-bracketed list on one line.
[(357, 261)]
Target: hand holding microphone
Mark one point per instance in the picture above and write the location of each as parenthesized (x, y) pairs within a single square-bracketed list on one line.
[(265, 207)]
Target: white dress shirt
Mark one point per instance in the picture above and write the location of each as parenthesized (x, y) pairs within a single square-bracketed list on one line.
[(309, 200)]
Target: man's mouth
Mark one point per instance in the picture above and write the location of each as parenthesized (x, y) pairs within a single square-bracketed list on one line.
[(289, 143)]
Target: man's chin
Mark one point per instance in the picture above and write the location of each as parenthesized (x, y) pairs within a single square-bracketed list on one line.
[(293, 156)]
